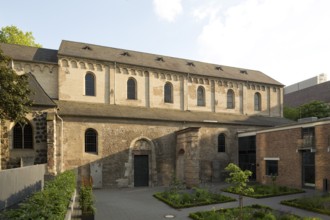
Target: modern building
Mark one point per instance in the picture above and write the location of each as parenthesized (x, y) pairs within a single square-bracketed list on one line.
[(297, 153), (313, 89), (130, 119)]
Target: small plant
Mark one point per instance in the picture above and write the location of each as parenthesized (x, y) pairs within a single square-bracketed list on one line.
[(86, 199), (176, 184)]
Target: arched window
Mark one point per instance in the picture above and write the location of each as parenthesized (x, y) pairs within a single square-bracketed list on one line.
[(257, 101), (23, 136), (168, 93), (221, 143), (90, 140), (90, 84), (230, 99), (200, 96), (131, 88)]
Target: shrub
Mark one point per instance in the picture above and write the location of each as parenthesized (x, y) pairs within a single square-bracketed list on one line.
[(51, 203)]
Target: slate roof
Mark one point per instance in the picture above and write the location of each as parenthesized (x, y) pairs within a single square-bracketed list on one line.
[(102, 53), (81, 109), (30, 54), (39, 96)]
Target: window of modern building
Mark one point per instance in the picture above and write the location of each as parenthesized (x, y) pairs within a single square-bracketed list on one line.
[(168, 93), (230, 99), (90, 141), (221, 143), (131, 88), (272, 167), (257, 101), (22, 136), (200, 96), (89, 84)]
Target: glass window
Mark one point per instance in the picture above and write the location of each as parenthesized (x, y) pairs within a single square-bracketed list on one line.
[(230, 99), (90, 140), (272, 167), (22, 136), (90, 84), (221, 143), (257, 101), (200, 96), (131, 88), (168, 93)]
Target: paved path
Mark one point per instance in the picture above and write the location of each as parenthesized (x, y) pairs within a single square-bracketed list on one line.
[(139, 204)]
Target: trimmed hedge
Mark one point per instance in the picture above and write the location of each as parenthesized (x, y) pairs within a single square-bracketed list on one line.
[(185, 200), (51, 203), (266, 191), (314, 204)]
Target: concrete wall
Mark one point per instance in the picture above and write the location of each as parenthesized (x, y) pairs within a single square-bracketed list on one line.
[(17, 184)]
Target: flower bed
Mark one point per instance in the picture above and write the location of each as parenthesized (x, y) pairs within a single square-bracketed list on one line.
[(320, 204), (253, 212), (264, 191), (185, 199)]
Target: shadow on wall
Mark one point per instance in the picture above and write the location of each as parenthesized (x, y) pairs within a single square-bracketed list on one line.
[(20, 195)]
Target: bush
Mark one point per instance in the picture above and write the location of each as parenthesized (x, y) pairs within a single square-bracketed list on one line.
[(51, 203), (86, 200)]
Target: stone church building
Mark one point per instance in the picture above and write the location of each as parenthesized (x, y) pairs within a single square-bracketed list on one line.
[(130, 118)]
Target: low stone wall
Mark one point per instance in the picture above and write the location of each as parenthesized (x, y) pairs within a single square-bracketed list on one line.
[(16, 184)]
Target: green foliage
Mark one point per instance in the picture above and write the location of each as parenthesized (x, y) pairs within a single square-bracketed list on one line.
[(86, 200), (317, 109), (175, 184), (51, 203), (291, 113), (239, 179), (255, 212), (14, 92), (320, 204), (263, 191), (13, 35), (196, 197)]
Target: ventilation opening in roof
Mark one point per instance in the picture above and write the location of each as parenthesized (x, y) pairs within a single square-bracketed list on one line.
[(218, 68), (190, 64), (160, 59), (86, 48), (125, 54), (243, 71)]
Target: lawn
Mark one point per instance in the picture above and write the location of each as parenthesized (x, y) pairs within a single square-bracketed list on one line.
[(190, 198), (320, 203), (264, 191), (254, 212)]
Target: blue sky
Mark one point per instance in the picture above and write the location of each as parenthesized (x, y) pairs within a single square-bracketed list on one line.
[(288, 40)]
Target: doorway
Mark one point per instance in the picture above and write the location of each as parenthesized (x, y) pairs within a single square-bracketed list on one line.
[(141, 170), (308, 169)]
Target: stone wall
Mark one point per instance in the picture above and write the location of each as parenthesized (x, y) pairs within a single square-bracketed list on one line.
[(111, 88)]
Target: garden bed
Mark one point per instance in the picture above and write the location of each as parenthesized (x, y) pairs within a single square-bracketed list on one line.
[(264, 191), (254, 212), (319, 204), (195, 197)]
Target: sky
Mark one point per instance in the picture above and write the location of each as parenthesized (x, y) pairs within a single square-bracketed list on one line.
[(289, 40)]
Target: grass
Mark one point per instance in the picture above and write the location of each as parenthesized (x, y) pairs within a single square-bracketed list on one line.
[(185, 199), (319, 204), (253, 212), (264, 191)]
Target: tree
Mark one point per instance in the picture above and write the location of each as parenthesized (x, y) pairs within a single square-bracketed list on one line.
[(317, 109), (13, 35), (291, 113), (239, 178), (14, 92)]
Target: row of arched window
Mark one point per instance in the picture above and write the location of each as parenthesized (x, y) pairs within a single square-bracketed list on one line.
[(168, 93), (23, 138)]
